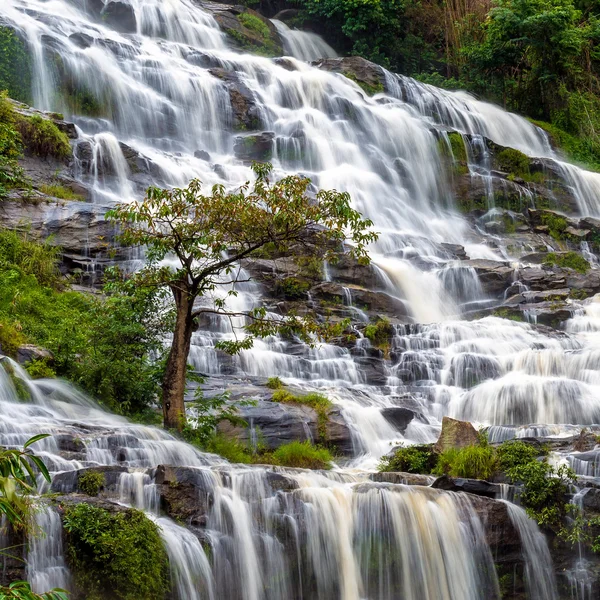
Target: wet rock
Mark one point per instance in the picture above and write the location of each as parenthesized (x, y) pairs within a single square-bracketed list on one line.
[(478, 487), (590, 500), (398, 477), (202, 155), (119, 16), (245, 109), (495, 276), (585, 441), (28, 352), (254, 147), (67, 481), (541, 279), (367, 74), (456, 434), (399, 417), (338, 434), (81, 40), (69, 443), (347, 270)]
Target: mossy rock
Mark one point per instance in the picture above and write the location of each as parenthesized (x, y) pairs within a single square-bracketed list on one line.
[(115, 553), (250, 31)]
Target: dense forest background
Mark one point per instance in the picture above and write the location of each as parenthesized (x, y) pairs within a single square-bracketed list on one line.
[(540, 58)]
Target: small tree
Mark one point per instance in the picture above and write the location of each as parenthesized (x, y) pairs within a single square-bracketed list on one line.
[(209, 234)]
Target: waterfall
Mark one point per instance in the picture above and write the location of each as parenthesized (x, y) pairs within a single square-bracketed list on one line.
[(540, 581), (303, 45), (160, 92)]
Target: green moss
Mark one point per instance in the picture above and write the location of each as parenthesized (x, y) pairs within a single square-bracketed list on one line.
[(508, 313), (115, 554), (15, 66), (513, 162), (231, 449), (578, 294), (368, 88), (265, 47), (41, 137), (292, 288), (255, 24), (478, 462), (411, 459), (91, 482), (56, 190), (11, 147), (302, 455), (569, 260), (319, 403)]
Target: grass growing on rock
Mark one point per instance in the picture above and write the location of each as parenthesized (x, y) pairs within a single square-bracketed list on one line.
[(380, 334), (274, 383), (569, 260), (56, 190), (476, 462), (255, 24), (302, 455), (319, 403), (41, 137), (409, 459), (115, 554)]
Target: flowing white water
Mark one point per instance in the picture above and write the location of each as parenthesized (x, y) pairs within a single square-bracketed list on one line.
[(160, 89), (303, 45)]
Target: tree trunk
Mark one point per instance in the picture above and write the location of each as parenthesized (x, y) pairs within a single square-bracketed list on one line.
[(174, 382)]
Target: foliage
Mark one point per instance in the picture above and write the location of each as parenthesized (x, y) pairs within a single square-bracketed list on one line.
[(513, 162), (254, 23), (302, 455), (105, 344), (379, 333), (292, 288), (11, 147), (56, 190), (515, 453), (17, 477), (556, 224), (43, 138), (39, 369), (544, 490), (15, 65), (570, 260), (478, 462), (90, 482), (232, 450), (319, 403), (115, 554), (210, 234), (409, 459), (274, 383)]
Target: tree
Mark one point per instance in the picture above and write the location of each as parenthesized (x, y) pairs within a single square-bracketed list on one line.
[(208, 235)]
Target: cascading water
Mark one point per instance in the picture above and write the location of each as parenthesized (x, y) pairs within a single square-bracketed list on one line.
[(161, 89)]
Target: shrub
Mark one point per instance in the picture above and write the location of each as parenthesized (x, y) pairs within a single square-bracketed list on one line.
[(569, 260), (91, 482), (319, 403), (11, 175), (514, 453), (477, 462), (15, 65), (301, 455), (274, 383), (556, 225), (293, 288), (42, 137), (379, 333), (411, 459), (115, 554), (40, 369)]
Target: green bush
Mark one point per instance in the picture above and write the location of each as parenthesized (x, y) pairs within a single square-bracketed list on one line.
[(15, 65), (477, 462), (556, 225), (411, 459), (41, 137), (514, 453), (570, 260), (40, 369), (302, 455), (91, 482), (232, 450), (379, 333), (274, 383), (115, 554), (292, 288), (319, 403), (11, 175)]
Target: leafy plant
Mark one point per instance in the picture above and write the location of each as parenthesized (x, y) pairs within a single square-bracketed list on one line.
[(302, 455), (274, 383), (43, 138), (91, 482), (409, 459), (478, 462)]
